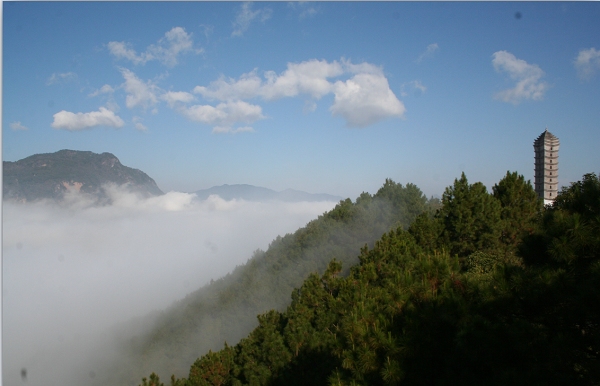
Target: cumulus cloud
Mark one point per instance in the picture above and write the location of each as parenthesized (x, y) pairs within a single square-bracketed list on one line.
[(365, 99), (246, 87), (174, 97), (308, 77), (139, 93), (245, 16), (587, 63), (17, 126), (79, 121), (225, 115), (429, 52), (528, 77), (73, 272), (61, 78), (166, 50)]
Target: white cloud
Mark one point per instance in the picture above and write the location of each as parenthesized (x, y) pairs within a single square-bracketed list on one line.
[(173, 97), (225, 115), (73, 122), (246, 87), (309, 77), (528, 77), (17, 126), (176, 41), (365, 99), (106, 89), (139, 93), (166, 51), (122, 51), (61, 78), (587, 63), (361, 100), (429, 52), (246, 16)]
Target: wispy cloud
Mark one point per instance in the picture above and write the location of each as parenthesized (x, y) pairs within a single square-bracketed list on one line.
[(106, 89), (137, 123), (429, 52), (229, 130), (78, 121), (166, 50), (174, 97), (415, 85), (139, 93), (245, 16), (224, 116), (61, 78), (304, 8), (17, 126), (528, 77), (587, 63)]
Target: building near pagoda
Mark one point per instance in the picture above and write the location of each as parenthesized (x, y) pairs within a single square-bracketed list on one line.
[(546, 166)]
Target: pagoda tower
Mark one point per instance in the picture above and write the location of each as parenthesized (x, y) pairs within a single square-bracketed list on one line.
[(546, 166)]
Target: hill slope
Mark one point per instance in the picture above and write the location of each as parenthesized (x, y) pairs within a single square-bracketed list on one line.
[(226, 309), (51, 175), (411, 313)]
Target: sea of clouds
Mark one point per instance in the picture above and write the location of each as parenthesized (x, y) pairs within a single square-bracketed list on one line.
[(73, 270)]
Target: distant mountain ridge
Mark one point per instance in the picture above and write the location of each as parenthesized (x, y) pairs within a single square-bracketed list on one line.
[(256, 193), (51, 175)]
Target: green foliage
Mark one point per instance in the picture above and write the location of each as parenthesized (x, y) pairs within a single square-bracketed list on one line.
[(407, 201), (226, 309), (412, 314), (471, 218), (521, 208)]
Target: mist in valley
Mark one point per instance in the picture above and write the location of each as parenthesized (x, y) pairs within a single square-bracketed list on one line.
[(73, 272)]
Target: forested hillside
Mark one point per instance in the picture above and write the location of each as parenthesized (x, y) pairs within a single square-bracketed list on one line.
[(491, 290), (226, 309)]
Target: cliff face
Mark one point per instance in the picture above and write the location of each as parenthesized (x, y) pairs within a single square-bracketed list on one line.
[(50, 176)]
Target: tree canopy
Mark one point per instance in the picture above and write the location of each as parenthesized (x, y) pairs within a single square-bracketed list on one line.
[(440, 304)]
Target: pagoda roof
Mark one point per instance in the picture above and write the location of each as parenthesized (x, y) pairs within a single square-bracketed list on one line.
[(546, 135)]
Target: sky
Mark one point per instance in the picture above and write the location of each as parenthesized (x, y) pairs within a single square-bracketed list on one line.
[(324, 97)]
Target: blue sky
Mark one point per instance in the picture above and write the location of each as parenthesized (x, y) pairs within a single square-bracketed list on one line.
[(323, 97)]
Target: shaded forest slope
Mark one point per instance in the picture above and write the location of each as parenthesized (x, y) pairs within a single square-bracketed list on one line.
[(226, 309), (491, 290)]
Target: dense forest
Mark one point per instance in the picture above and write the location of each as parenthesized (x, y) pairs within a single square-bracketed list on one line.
[(489, 289), (226, 309)]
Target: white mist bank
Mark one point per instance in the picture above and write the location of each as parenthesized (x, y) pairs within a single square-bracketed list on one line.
[(72, 271)]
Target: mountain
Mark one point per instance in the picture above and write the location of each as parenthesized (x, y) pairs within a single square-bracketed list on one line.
[(51, 175), (256, 193), (226, 309)]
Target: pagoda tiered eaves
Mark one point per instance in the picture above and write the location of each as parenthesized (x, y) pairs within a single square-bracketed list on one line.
[(546, 165)]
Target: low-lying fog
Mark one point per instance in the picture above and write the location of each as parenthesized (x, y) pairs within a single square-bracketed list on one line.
[(71, 271)]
